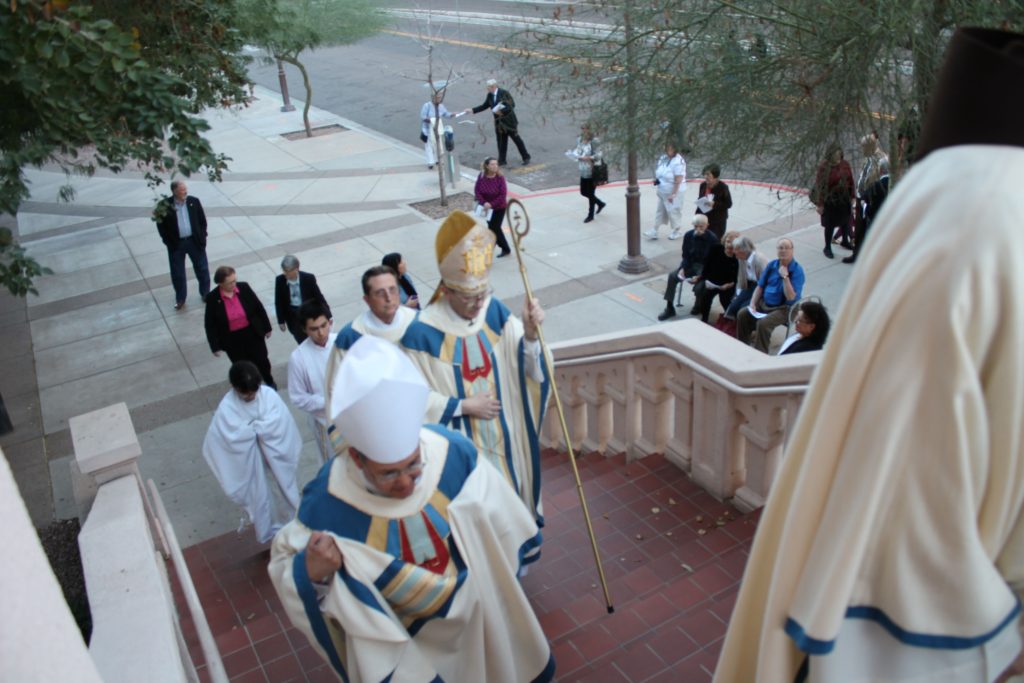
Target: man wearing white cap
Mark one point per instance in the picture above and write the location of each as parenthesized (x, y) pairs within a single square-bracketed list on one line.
[(506, 123), (401, 564), (482, 362), (385, 317)]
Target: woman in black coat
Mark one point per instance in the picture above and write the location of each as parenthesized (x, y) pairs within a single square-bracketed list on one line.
[(237, 323), (718, 277)]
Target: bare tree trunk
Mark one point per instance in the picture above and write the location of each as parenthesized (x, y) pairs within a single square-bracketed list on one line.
[(309, 90)]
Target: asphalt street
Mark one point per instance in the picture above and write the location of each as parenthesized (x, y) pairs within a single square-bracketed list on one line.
[(381, 83)]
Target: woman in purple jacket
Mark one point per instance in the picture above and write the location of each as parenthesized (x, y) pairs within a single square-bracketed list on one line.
[(491, 193)]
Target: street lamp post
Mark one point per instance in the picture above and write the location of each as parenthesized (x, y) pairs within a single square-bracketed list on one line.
[(283, 80), (633, 262)]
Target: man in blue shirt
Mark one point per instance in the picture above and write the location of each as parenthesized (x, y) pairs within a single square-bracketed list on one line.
[(780, 286)]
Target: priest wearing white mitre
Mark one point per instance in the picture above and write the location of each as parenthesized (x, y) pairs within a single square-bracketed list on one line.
[(384, 317), (891, 547), (401, 564), (253, 447), (483, 363)]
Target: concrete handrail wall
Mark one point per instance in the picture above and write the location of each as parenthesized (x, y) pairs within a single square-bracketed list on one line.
[(124, 542), (715, 407)]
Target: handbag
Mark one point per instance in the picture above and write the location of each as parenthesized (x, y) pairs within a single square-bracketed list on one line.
[(599, 173), (423, 137)]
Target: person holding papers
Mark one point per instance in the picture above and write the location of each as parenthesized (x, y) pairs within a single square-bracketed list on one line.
[(506, 123), (779, 288), (714, 199), (492, 197), (697, 245), (669, 176), (718, 277)]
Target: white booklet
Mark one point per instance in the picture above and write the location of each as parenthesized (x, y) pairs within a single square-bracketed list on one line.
[(483, 213), (756, 314)]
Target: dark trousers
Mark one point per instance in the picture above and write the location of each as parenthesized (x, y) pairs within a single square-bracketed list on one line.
[(503, 146), (836, 217), (862, 234), (589, 190), (673, 282), (497, 216), (706, 296), (200, 267), (291, 319), (739, 302), (245, 344)]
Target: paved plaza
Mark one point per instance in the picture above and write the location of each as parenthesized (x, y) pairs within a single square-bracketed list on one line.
[(103, 330)]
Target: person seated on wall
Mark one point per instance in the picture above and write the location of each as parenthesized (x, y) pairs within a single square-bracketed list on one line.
[(697, 243), (779, 288), (810, 329), (718, 277)]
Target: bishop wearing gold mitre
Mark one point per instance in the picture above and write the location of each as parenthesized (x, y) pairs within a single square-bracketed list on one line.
[(482, 363)]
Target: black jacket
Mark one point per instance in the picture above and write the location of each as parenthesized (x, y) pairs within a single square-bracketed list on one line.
[(168, 225), (506, 121), (308, 289), (695, 250), (719, 213), (216, 321), (718, 267), (802, 345)]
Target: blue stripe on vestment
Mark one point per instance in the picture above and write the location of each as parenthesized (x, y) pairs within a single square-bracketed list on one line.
[(532, 432), (306, 592), (346, 338), (814, 646)]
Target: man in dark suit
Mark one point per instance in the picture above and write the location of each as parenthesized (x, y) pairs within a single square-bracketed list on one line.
[(291, 289), (182, 228), (506, 125)]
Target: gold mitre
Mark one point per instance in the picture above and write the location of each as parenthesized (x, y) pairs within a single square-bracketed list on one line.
[(465, 250)]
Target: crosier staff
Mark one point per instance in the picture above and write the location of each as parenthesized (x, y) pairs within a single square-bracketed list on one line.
[(519, 222)]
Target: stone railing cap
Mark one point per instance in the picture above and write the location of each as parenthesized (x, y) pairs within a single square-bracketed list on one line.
[(104, 438)]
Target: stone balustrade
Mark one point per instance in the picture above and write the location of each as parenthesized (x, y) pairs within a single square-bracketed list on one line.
[(718, 409), (124, 543)]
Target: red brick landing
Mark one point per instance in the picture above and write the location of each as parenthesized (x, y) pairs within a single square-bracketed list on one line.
[(673, 556)]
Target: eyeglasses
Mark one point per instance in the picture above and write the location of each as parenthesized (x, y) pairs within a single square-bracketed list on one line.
[(390, 292), (412, 469), (471, 298)]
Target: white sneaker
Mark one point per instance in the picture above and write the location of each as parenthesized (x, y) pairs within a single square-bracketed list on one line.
[(674, 235), (651, 234)]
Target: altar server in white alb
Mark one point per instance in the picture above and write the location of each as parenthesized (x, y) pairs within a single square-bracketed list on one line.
[(482, 362), (307, 368), (401, 564), (253, 448), (892, 544)]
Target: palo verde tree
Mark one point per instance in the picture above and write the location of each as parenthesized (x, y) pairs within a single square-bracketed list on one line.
[(285, 28), (82, 91), (760, 85)]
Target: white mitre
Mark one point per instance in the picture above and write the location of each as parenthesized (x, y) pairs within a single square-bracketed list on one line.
[(379, 401)]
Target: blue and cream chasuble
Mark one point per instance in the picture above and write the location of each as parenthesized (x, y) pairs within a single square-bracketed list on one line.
[(426, 581), (461, 359)]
